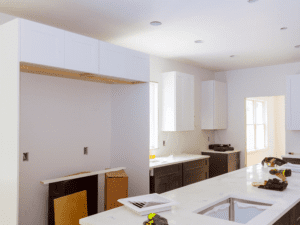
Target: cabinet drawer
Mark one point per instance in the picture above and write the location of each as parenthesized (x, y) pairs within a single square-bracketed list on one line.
[(167, 183), (173, 169), (194, 175), (195, 164)]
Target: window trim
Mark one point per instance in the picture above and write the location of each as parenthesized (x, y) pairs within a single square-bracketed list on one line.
[(155, 146)]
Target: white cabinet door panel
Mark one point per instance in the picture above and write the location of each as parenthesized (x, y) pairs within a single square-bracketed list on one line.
[(112, 60), (214, 105), (41, 44), (177, 102), (137, 66), (81, 53)]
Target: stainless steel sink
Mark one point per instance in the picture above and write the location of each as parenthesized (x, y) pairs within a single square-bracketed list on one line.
[(235, 209)]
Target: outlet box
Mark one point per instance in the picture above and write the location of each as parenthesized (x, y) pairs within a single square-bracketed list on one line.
[(164, 143), (85, 150), (25, 156)]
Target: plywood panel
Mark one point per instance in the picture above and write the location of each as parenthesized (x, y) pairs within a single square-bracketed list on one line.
[(68, 210)]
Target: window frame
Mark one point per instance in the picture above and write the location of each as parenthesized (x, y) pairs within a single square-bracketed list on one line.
[(155, 113), (264, 123)]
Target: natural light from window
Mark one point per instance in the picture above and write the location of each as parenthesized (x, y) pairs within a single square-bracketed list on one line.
[(153, 115), (256, 124)]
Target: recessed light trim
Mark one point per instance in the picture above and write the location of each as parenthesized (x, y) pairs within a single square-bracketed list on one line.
[(198, 41), (155, 23), (283, 28), (232, 56), (297, 46), (251, 1)]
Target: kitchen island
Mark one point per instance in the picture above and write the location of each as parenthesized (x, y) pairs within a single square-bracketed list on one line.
[(201, 194)]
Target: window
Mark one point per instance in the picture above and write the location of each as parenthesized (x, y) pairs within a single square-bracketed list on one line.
[(153, 115), (256, 120)]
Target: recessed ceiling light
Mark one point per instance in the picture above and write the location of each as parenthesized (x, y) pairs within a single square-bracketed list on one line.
[(251, 1), (198, 41), (283, 28), (232, 56), (155, 23), (297, 46)]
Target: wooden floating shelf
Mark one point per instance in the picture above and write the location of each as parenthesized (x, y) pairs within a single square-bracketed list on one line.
[(58, 72), (80, 175)]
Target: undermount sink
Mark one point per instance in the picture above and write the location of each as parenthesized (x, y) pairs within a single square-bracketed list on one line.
[(234, 209)]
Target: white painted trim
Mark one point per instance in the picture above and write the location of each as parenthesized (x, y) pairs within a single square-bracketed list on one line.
[(81, 175)]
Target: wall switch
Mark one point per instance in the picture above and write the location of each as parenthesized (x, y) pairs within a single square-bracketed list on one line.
[(25, 156), (85, 150), (164, 143)]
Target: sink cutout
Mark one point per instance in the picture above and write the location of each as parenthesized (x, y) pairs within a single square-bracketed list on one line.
[(234, 209)]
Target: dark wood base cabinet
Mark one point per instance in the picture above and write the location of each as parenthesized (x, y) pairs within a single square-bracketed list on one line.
[(220, 163), (291, 160), (292, 217), (168, 178)]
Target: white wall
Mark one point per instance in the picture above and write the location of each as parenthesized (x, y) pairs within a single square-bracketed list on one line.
[(192, 142), (254, 82), (130, 134), (59, 117), (9, 120)]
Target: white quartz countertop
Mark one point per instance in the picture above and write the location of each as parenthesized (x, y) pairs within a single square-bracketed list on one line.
[(165, 161), (228, 152), (203, 193)]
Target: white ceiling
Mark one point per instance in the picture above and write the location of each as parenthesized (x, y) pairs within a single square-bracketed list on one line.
[(250, 31)]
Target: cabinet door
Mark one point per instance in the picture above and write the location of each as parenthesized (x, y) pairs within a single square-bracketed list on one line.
[(112, 60), (81, 53), (41, 44), (233, 162), (184, 102), (284, 220), (220, 105), (207, 104), (137, 66), (292, 102)]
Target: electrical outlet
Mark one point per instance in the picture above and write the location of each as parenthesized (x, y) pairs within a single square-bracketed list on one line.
[(208, 138), (25, 156), (164, 143), (85, 150)]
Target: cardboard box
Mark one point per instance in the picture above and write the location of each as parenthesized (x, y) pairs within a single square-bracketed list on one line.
[(116, 187)]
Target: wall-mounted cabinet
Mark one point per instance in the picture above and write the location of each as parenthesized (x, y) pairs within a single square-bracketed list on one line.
[(52, 47), (292, 102), (41, 44), (81, 53), (120, 62), (214, 105), (177, 101)]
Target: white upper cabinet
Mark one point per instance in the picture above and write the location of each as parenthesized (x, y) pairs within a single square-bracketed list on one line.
[(137, 66), (293, 102), (112, 60), (177, 101), (214, 105), (81, 53), (41, 44), (120, 62)]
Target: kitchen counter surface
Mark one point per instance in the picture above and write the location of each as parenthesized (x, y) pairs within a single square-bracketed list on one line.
[(165, 161), (201, 194), (228, 152)]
